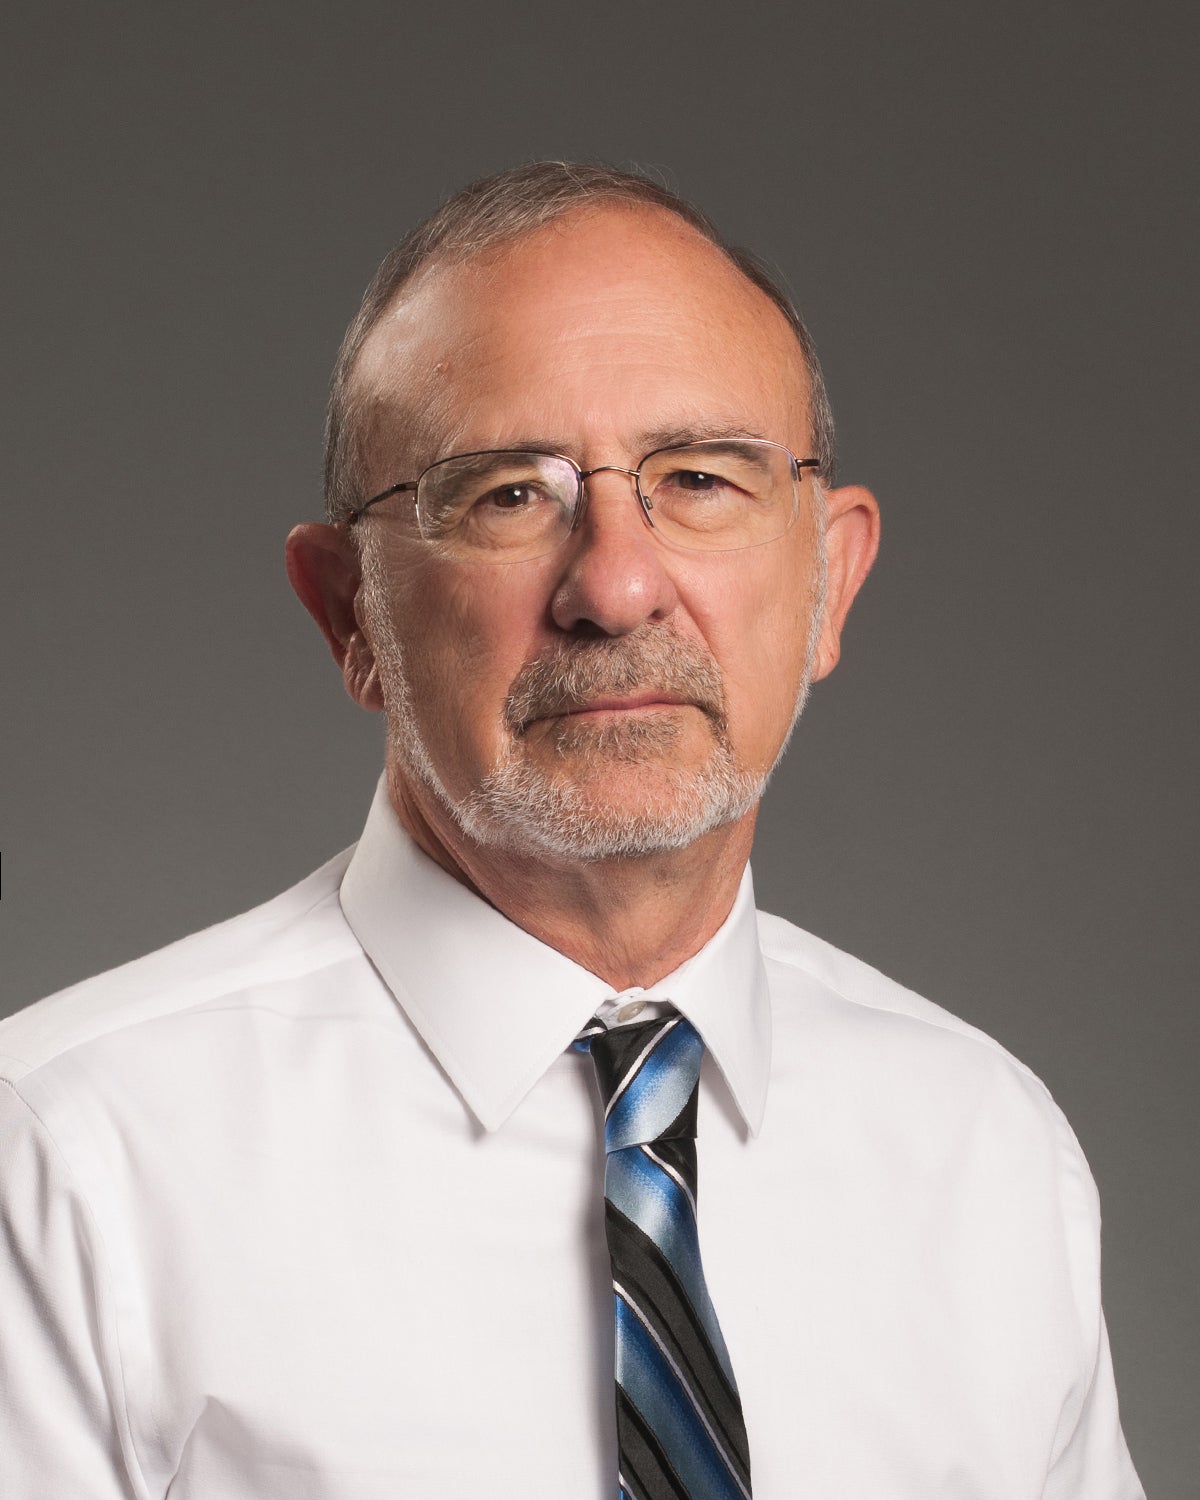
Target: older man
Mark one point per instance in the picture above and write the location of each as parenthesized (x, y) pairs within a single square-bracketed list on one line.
[(377, 1190)]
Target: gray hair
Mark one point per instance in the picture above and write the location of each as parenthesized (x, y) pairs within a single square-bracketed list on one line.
[(491, 212)]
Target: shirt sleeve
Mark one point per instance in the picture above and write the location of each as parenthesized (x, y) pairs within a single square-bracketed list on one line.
[(1091, 1460), (1095, 1464), (63, 1428)]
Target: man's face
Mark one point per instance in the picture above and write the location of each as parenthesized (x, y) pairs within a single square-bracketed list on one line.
[(619, 694)]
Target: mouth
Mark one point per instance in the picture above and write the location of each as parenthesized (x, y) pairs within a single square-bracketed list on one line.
[(611, 711), (625, 703), (642, 679)]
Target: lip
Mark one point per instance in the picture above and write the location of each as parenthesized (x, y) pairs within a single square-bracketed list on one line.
[(629, 703)]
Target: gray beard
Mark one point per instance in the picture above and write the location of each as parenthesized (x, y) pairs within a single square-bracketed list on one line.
[(552, 810), (522, 807)]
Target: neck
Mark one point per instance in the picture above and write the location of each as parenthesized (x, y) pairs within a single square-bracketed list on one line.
[(629, 921)]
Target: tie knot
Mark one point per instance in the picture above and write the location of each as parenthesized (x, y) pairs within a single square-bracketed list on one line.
[(648, 1076)]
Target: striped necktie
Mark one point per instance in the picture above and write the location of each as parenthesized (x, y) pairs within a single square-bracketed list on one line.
[(680, 1433)]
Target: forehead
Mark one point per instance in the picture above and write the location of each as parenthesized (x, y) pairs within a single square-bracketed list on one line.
[(598, 327)]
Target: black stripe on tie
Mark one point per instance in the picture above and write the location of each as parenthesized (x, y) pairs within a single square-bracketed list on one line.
[(643, 1462), (680, 1155), (639, 1265), (615, 1052)]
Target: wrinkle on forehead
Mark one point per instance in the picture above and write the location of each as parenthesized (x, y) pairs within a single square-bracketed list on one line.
[(608, 285)]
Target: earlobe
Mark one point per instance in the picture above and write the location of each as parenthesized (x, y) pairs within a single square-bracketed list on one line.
[(323, 569), (851, 541)]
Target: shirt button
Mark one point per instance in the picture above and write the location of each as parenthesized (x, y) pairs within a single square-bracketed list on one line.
[(631, 1011)]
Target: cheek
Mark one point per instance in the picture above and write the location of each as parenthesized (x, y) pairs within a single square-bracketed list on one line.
[(469, 634), (756, 621)]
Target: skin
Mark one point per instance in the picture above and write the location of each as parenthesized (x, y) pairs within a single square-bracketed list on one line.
[(598, 336)]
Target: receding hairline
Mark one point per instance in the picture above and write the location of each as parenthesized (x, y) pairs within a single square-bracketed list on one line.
[(370, 378), (491, 218)]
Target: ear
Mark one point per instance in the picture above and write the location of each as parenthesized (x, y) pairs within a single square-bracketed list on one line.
[(851, 540), (324, 570)]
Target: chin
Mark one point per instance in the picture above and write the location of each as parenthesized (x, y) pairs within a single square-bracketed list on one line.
[(618, 813)]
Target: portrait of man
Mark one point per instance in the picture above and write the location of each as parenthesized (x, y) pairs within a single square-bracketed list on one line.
[(515, 1151), (573, 926)]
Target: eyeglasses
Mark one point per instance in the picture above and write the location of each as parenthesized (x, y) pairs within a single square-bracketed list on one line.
[(716, 495)]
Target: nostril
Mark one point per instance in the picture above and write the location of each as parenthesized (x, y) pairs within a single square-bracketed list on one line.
[(588, 630)]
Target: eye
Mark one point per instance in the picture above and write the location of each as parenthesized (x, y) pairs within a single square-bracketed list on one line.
[(514, 509), (691, 485), (696, 480), (511, 497)]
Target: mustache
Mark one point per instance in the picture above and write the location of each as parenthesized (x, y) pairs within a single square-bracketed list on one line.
[(650, 659)]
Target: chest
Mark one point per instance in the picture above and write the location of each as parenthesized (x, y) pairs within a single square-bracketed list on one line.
[(358, 1293)]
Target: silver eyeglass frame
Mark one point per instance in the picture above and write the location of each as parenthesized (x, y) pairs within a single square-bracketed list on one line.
[(581, 476)]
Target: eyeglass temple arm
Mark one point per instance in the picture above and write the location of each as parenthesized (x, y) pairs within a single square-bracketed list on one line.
[(395, 489)]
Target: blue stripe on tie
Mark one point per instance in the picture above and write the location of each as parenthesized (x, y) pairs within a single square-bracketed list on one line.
[(658, 1093), (655, 1202), (651, 1384)]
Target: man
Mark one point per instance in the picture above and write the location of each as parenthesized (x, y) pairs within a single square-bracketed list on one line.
[(317, 1203)]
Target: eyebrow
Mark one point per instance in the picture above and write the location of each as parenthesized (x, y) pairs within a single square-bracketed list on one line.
[(749, 450), (647, 441), (675, 437)]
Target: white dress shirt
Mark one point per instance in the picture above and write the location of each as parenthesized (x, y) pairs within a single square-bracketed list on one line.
[(309, 1207)]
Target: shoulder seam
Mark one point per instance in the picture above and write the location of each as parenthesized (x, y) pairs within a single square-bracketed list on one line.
[(963, 1029), (324, 956)]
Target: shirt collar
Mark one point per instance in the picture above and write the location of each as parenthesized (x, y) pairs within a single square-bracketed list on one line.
[(496, 1006)]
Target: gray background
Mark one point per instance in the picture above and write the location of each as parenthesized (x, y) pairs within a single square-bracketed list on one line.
[(989, 217)]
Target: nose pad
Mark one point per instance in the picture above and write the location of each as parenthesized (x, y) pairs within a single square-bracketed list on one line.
[(645, 504), (613, 579)]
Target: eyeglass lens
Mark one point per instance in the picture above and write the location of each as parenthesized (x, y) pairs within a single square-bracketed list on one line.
[(717, 495)]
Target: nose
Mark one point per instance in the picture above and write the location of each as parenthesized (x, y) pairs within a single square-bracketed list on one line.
[(615, 573)]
